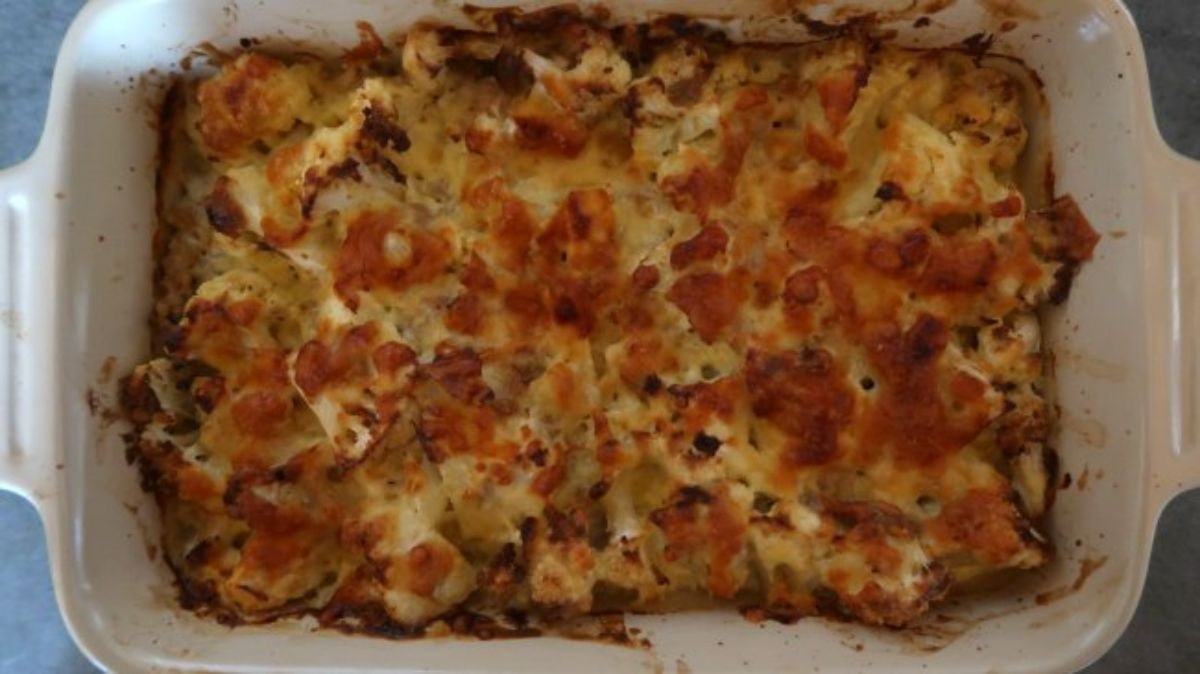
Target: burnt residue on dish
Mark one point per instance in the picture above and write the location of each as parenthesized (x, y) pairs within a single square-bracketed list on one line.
[(1010, 10), (1087, 567), (978, 44), (864, 24), (805, 11)]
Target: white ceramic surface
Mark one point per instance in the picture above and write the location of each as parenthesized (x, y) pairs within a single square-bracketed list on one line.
[(75, 226)]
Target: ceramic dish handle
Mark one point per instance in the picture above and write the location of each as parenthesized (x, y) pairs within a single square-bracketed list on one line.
[(23, 468), (1176, 468)]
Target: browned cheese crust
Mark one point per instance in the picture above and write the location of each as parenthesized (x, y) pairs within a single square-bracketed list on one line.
[(561, 316)]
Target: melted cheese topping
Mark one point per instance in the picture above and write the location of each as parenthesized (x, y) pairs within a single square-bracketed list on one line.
[(553, 320)]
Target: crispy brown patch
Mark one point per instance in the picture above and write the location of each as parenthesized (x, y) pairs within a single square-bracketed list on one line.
[(260, 413), (460, 373), (645, 277), (243, 103), (824, 149), (803, 393), (576, 259), (708, 243), (960, 265), (370, 46), (319, 365), (839, 93), (700, 189), (698, 522), (363, 263), (710, 300), (541, 128), (1073, 233), (908, 414), (138, 400), (983, 522)]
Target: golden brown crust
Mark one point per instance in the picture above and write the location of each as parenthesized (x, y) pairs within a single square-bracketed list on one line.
[(562, 317)]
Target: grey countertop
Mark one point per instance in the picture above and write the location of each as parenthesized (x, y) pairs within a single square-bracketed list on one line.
[(1162, 637)]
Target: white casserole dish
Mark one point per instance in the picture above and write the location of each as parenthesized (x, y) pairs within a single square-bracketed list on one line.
[(75, 227)]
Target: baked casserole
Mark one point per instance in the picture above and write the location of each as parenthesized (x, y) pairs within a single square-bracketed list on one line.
[(555, 317)]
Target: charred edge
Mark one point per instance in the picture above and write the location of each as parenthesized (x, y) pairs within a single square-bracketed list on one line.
[(150, 479), (1050, 461), (978, 45), (209, 393), (652, 384), (1064, 276), (346, 169), (508, 21), (224, 213), (512, 72), (562, 527), (170, 113), (829, 604), (314, 183), (200, 554), (507, 569), (706, 444), (137, 399), (778, 522), (889, 191), (686, 92), (384, 131), (781, 614), (692, 495), (565, 138), (370, 618), (942, 581), (199, 597), (429, 446), (678, 25), (529, 527), (370, 46), (485, 628), (565, 310), (233, 491), (1030, 536), (538, 456), (516, 617), (598, 490), (1049, 178), (874, 514), (639, 42), (172, 339), (858, 26), (390, 168)]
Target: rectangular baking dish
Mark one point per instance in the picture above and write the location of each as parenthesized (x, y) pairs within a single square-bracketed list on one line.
[(75, 227)]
